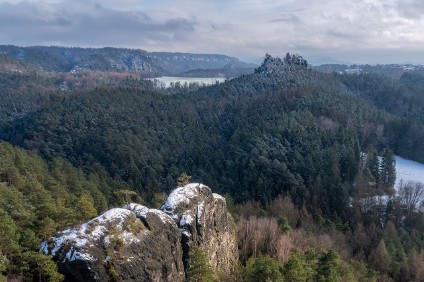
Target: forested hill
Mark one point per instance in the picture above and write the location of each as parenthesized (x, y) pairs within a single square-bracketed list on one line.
[(284, 129), (284, 143), (64, 59), (394, 71)]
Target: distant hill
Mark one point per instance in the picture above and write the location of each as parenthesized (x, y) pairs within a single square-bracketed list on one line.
[(64, 59), (394, 71), (11, 64)]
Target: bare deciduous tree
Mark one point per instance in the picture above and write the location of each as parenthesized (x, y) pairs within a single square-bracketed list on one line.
[(411, 194)]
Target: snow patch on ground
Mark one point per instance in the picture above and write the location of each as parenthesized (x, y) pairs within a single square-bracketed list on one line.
[(408, 170), (165, 81)]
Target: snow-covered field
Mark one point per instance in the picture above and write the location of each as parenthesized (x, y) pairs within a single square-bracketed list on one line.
[(165, 81), (408, 171)]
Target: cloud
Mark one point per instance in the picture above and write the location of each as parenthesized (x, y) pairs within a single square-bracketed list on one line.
[(411, 9), (247, 29), (30, 23)]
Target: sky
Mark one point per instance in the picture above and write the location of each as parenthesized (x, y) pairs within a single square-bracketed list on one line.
[(332, 31)]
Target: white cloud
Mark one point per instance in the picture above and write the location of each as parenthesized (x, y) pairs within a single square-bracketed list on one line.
[(347, 30)]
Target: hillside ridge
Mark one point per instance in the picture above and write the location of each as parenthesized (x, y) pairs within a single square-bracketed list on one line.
[(75, 59)]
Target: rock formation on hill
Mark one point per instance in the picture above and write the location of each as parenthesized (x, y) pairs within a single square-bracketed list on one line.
[(278, 65), (204, 221), (135, 243)]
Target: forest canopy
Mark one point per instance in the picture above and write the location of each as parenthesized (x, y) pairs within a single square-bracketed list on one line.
[(284, 131)]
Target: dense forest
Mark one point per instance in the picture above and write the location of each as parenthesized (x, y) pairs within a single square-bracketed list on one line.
[(294, 150)]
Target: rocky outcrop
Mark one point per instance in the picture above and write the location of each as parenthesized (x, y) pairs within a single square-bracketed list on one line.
[(204, 221), (278, 65), (135, 243), (130, 244)]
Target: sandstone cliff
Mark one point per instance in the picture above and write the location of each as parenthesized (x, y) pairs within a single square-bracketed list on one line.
[(135, 243), (203, 219)]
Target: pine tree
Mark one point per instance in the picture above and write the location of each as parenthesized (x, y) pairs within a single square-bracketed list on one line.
[(126, 194), (9, 236), (47, 227), (86, 207), (199, 269), (329, 267), (388, 168), (297, 268), (373, 165), (183, 179), (380, 257), (263, 268), (4, 264), (38, 265)]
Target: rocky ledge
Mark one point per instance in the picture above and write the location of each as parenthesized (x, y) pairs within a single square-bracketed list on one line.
[(135, 243)]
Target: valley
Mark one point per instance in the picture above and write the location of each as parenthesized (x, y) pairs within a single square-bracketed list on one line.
[(281, 144)]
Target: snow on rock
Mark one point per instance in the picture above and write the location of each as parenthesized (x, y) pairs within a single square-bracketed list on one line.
[(203, 220), (143, 244), (182, 196), (99, 229), (217, 196), (141, 212), (186, 219), (200, 209), (186, 205), (127, 239), (78, 238)]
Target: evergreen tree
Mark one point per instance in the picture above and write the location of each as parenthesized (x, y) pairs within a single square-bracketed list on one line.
[(361, 272), (297, 268), (183, 179), (86, 207), (329, 267), (9, 236), (47, 228), (38, 265), (388, 168), (380, 257), (126, 194), (283, 223), (199, 269), (4, 264), (263, 268), (373, 164)]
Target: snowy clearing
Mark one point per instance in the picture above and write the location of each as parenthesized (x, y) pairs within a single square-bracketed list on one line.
[(408, 170), (165, 81)]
